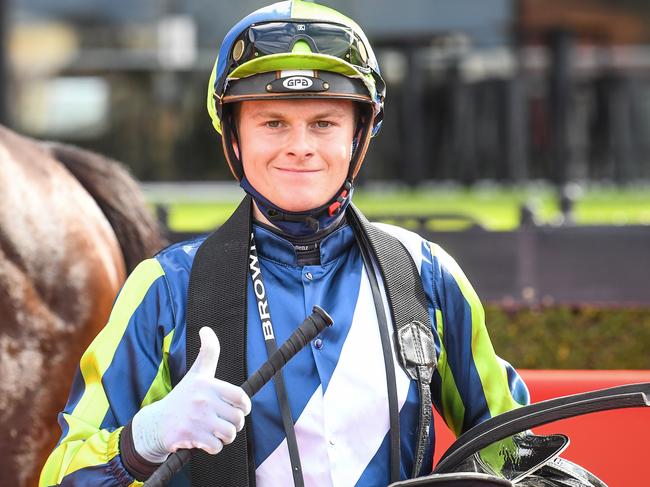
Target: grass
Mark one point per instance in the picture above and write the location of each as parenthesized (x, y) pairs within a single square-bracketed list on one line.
[(493, 207)]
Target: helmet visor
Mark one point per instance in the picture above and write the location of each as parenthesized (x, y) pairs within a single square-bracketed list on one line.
[(280, 37)]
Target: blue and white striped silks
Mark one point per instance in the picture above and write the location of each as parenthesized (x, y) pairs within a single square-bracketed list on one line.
[(336, 386)]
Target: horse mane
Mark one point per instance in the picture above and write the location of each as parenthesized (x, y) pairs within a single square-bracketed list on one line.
[(118, 196)]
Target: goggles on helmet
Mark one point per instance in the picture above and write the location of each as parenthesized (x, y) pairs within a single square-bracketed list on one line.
[(280, 37)]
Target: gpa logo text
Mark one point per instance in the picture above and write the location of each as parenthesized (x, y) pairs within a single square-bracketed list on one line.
[(297, 83)]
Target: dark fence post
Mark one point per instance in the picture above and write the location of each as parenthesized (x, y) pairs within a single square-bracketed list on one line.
[(620, 102), (463, 144), (560, 88), (516, 129), (413, 118)]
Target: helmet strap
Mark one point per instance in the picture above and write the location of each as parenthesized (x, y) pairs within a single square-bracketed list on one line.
[(362, 137), (228, 134), (303, 223)]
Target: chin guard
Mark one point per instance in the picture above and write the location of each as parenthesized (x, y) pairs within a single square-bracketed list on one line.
[(302, 223)]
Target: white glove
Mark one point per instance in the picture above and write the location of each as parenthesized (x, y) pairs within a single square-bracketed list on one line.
[(200, 412)]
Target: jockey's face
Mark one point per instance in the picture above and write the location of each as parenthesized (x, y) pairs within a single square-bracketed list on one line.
[(296, 153)]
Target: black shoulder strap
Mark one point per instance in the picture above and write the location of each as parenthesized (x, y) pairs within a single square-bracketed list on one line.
[(217, 298), (409, 312)]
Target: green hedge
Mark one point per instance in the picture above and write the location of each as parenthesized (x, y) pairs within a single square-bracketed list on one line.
[(579, 337)]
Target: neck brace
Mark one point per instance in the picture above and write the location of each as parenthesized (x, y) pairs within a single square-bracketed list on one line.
[(303, 223)]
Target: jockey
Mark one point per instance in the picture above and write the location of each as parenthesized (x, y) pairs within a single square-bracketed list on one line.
[(296, 94)]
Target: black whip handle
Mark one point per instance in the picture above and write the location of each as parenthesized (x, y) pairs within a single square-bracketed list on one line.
[(315, 323)]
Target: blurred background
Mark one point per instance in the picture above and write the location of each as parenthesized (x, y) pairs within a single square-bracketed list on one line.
[(516, 134), (498, 90)]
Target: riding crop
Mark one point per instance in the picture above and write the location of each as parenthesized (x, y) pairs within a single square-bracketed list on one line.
[(315, 323)]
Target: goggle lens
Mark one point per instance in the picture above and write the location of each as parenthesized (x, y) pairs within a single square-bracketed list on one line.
[(281, 37)]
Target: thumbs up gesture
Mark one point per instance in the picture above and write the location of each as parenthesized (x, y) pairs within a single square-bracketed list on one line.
[(200, 412)]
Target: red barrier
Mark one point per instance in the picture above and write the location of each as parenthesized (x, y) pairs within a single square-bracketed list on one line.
[(613, 445)]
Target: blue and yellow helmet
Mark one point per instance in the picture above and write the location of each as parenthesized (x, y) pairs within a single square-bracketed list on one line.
[(296, 49)]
